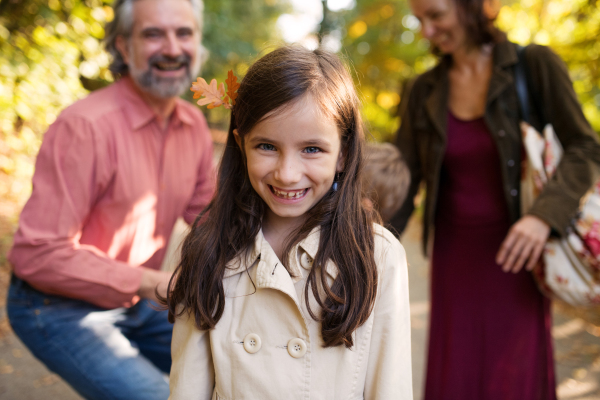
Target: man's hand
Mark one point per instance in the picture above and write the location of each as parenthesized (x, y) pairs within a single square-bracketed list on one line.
[(151, 280), (524, 243)]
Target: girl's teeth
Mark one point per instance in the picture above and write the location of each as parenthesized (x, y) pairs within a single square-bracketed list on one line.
[(289, 195)]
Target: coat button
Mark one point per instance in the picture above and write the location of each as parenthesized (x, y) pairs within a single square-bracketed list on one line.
[(296, 347), (511, 163), (305, 260), (252, 343), (514, 192), (501, 133)]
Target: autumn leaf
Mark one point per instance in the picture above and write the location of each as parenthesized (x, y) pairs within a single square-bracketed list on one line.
[(197, 87), (232, 86), (212, 94)]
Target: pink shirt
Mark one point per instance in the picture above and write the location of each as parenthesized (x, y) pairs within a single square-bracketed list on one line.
[(108, 187)]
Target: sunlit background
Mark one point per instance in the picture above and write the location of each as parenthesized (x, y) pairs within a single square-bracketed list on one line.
[(51, 55)]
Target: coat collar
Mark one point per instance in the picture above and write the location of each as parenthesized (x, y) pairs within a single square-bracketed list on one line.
[(262, 253), (504, 56)]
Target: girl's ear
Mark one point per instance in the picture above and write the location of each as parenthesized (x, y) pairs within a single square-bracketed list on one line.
[(341, 162), (238, 139)]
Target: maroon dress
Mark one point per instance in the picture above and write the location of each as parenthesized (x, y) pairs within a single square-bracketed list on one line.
[(490, 331)]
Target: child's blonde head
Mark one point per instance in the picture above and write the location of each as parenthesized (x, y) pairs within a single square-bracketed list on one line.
[(385, 178)]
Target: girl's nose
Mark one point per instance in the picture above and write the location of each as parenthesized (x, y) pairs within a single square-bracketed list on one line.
[(288, 171)]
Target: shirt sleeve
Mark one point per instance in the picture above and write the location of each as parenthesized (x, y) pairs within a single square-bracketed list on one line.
[(578, 169), (206, 178), (192, 372), (389, 370), (72, 170)]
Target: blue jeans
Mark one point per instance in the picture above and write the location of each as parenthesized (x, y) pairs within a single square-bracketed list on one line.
[(103, 354)]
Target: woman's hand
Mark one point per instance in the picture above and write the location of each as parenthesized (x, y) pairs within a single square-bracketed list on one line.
[(525, 241)]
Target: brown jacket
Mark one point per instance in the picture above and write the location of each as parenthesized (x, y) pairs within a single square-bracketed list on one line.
[(422, 135)]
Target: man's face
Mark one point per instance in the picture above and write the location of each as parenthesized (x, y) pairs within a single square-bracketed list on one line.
[(162, 52)]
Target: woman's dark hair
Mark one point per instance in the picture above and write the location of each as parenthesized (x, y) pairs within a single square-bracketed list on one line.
[(228, 226), (479, 22)]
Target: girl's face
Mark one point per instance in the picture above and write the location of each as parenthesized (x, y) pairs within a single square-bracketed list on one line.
[(440, 24), (292, 159)]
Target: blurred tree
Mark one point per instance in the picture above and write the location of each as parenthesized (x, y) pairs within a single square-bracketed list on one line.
[(572, 29), (381, 38), (51, 54)]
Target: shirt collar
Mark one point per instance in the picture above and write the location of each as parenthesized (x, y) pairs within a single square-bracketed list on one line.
[(139, 112)]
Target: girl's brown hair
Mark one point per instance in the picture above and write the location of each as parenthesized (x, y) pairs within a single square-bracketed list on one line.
[(230, 223)]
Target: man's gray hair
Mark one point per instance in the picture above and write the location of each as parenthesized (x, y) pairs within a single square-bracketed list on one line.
[(122, 25)]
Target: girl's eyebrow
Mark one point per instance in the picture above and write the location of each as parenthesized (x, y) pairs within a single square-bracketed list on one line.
[(261, 139)]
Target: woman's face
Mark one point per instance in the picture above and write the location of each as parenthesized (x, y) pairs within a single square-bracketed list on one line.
[(440, 24)]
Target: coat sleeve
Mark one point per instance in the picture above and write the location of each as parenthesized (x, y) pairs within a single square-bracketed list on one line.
[(578, 169), (389, 370), (192, 371), (407, 144), (72, 170)]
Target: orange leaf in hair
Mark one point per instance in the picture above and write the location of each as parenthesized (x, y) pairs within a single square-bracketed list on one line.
[(212, 94), (197, 87), (232, 86)]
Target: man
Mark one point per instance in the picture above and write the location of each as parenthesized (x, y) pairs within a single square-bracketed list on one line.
[(113, 174)]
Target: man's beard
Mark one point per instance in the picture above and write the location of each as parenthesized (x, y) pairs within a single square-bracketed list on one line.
[(163, 87)]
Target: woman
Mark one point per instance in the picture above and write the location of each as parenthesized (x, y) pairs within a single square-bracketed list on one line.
[(490, 326)]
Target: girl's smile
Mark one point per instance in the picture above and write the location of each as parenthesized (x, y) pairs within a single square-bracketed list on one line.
[(288, 195), (292, 158)]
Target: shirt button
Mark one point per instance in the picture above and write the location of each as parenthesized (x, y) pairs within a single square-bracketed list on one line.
[(511, 163), (305, 260), (252, 343), (514, 192), (296, 347), (501, 133)]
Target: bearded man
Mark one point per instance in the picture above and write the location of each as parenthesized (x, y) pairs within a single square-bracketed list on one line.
[(113, 174)]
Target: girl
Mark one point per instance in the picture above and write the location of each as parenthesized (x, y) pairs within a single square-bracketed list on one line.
[(288, 290)]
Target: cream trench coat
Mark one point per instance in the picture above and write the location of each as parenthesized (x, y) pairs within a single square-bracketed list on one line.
[(266, 346)]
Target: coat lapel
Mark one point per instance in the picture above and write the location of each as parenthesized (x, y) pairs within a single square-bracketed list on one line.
[(436, 104)]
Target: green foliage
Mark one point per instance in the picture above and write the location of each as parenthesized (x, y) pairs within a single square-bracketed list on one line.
[(382, 40), (52, 55), (234, 33), (45, 46), (572, 29)]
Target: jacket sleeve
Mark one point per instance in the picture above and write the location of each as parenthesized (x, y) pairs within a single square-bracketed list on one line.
[(389, 370), (407, 144), (205, 181), (72, 170), (192, 371), (578, 169)]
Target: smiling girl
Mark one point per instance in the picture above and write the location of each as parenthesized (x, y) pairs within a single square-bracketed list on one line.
[(287, 289)]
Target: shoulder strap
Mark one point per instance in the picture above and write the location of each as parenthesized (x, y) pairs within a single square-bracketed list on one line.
[(522, 79), (521, 85)]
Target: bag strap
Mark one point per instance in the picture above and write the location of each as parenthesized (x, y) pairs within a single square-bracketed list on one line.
[(521, 85), (522, 79)]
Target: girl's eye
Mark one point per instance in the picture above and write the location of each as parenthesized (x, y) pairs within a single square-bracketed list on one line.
[(312, 149), (266, 146)]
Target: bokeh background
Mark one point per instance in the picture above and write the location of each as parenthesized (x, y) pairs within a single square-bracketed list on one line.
[(51, 55)]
